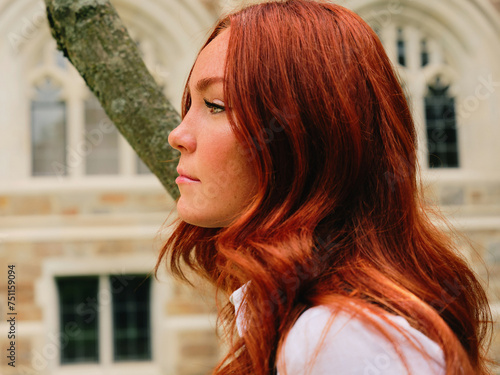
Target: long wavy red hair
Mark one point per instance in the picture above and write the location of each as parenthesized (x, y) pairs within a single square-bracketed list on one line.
[(315, 102)]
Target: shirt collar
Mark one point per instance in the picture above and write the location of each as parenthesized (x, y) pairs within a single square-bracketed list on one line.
[(237, 299)]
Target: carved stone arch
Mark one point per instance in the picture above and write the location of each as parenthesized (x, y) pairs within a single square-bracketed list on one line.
[(20, 22), (383, 16), (448, 75), (176, 30), (461, 24), (467, 33)]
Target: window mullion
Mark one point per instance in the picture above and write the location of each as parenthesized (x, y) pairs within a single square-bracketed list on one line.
[(128, 162), (413, 40), (435, 53), (418, 105), (76, 146), (105, 321), (389, 36)]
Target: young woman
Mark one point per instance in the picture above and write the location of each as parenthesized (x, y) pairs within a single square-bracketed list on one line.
[(299, 197)]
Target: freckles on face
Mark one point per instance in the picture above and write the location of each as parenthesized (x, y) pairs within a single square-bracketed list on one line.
[(216, 179)]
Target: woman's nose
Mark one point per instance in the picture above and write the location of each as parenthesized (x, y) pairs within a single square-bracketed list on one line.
[(182, 139)]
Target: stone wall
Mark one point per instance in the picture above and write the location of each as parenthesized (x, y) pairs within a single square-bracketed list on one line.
[(98, 231), (472, 207)]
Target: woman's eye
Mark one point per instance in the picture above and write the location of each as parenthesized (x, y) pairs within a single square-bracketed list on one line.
[(214, 108)]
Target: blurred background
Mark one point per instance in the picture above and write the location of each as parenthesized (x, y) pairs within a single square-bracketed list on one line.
[(82, 219)]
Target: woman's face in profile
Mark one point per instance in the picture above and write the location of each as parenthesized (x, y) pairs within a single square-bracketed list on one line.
[(215, 180)]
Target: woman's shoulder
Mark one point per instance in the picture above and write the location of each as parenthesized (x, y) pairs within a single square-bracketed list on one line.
[(323, 341)]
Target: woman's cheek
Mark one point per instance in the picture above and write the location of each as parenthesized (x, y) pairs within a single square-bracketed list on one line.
[(211, 190), (200, 202), (234, 167)]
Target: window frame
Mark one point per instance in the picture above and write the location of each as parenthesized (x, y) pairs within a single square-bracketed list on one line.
[(62, 106), (104, 311), (417, 77), (138, 281), (74, 94), (48, 355), (444, 129), (72, 325)]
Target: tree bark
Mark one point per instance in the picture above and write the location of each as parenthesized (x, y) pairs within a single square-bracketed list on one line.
[(92, 36)]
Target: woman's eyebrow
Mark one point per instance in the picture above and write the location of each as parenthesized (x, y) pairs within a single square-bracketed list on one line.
[(204, 83)]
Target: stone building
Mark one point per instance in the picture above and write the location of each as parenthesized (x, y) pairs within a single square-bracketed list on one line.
[(82, 219)]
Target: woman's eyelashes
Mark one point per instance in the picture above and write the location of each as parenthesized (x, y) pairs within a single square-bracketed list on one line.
[(214, 108)]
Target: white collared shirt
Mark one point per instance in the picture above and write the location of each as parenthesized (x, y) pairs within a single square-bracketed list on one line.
[(350, 346), (236, 299)]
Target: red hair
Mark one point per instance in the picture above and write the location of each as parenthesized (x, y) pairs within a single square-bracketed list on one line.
[(315, 102)]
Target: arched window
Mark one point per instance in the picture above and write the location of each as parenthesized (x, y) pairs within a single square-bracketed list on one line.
[(71, 135), (401, 46), (420, 59), (103, 157), (442, 141), (424, 53), (48, 129)]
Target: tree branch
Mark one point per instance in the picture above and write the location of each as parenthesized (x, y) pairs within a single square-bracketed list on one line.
[(92, 36)]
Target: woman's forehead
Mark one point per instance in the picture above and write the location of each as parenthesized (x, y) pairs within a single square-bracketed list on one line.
[(211, 60)]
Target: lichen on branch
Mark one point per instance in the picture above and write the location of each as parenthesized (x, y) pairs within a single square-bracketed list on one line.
[(94, 39)]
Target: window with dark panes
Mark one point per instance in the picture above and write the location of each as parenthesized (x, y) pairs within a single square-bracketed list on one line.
[(442, 140), (401, 48), (72, 137), (131, 317), (80, 309), (48, 131), (424, 53), (102, 157), (78, 319), (419, 55)]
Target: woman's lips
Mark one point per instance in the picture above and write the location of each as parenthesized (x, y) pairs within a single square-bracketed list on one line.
[(185, 178)]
